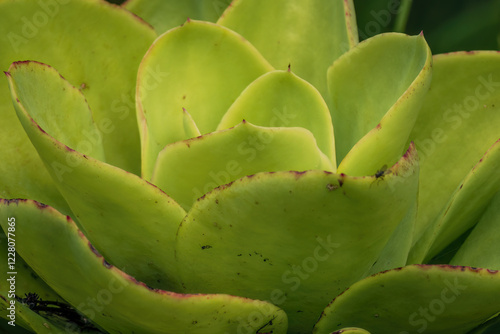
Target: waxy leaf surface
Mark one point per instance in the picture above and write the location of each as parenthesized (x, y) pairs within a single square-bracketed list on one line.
[(200, 67), (458, 123), (416, 299), (285, 236), (282, 99), (113, 299), (186, 170), (307, 35), (130, 221), (377, 89)]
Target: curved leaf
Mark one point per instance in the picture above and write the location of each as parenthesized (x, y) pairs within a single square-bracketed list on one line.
[(280, 98), (416, 299), (97, 47), (201, 67), (131, 221), (285, 236), (465, 207), (114, 300), (186, 170), (480, 249), (308, 35), (459, 121), (377, 89)]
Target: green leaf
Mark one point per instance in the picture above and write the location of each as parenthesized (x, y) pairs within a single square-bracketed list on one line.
[(186, 170), (465, 207), (377, 89), (280, 98), (131, 221), (166, 14), (480, 249), (458, 122), (54, 247), (97, 47), (201, 67), (308, 35), (286, 236), (416, 299)]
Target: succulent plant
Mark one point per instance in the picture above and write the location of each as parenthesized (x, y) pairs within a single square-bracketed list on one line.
[(187, 178)]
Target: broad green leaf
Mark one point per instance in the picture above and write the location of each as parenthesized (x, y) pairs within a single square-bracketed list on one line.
[(130, 221), (377, 89), (416, 299), (64, 114), (280, 98), (186, 170), (201, 67), (480, 249), (308, 35), (458, 122), (166, 14), (97, 47), (55, 248), (286, 236), (465, 207)]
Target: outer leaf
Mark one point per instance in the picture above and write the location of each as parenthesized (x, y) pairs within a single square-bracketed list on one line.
[(285, 236), (416, 299), (280, 98), (459, 121), (166, 14), (63, 34), (204, 67), (187, 170), (132, 222), (465, 207), (308, 35), (377, 89), (115, 300), (481, 247)]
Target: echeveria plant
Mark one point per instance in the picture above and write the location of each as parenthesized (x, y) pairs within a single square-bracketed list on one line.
[(192, 181)]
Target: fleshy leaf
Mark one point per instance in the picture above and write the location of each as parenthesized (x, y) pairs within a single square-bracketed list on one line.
[(416, 299), (201, 67), (280, 98), (377, 89), (130, 221), (465, 207), (166, 14), (308, 35), (71, 124), (97, 47), (285, 236), (65, 259), (458, 122), (188, 169), (480, 249)]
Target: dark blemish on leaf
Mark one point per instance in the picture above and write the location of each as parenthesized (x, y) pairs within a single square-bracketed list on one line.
[(183, 97), (83, 86), (379, 126), (85, 156), (95, 251), (341, 182), (461, 186), (256, 203), (239, 255), (289, 66), (106, 264), (206, 247), (40, 205), (216, 201)]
